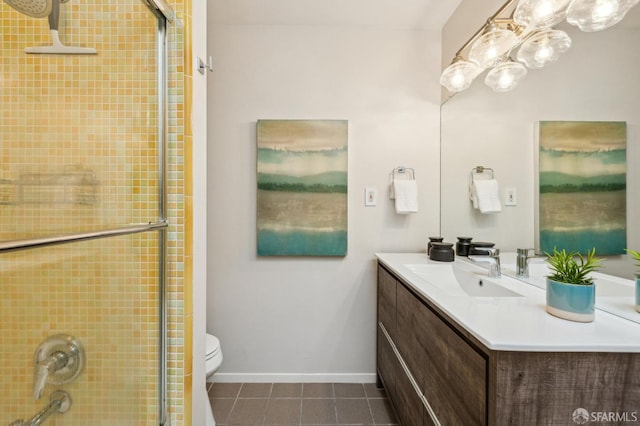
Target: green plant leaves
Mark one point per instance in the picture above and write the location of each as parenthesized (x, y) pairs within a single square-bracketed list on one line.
[(636, 257), (572, 267)]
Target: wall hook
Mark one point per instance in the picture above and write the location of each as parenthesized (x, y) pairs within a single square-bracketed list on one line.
[(201, 65)]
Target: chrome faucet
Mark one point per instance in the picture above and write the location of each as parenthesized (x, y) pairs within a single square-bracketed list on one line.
[(492, 258), (46, 368), (59, 403), (59, 359), (522, 262)]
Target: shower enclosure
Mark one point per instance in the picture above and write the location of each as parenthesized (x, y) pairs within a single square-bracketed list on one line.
[(83, 210)]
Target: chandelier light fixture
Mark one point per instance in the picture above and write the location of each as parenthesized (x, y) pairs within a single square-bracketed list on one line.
[(543, 48), (505, 76), (488, 50), (460, 74), (525, 38)]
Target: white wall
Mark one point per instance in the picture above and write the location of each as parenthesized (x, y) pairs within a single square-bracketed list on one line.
[(596, 80), (313, 319)]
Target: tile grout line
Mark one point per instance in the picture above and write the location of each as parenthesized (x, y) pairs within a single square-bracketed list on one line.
[(335, 403), (266, 408), (235, 400), (301, 401), (373, 420)]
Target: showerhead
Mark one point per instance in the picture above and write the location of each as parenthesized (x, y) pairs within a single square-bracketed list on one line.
[(33, 8), (50, 9), (57, 48)]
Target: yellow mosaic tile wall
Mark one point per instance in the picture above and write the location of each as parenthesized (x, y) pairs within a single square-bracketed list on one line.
[(78, 151), (187, 173), (179, 283), (104, 293)]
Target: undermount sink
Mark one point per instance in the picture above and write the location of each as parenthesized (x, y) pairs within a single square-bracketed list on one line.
[(457, 281)]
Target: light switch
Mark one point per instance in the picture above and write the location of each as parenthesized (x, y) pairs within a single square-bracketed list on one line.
[(510, 197), (370, 196)]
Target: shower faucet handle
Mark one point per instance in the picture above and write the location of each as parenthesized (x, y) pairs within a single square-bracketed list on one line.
[(58, 360), (55, 362)]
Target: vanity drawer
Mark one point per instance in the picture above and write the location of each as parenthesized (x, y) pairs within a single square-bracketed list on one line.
[(387, 301), (398, 384), (410, 328), (385, 359), (451, 373), (455, 374)]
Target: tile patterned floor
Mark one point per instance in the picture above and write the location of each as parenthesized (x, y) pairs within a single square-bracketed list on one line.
[(300, 404)]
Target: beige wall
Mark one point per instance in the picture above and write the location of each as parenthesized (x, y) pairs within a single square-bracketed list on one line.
[(313, 318)]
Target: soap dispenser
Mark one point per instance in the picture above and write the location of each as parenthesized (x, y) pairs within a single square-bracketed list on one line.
[(463, 246), (431, 241)]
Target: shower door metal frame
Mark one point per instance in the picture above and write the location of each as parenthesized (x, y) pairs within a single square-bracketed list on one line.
[(165, 14)]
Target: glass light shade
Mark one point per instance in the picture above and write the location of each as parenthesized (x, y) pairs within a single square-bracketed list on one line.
[(459, 75), (540, 14), (505, 76), (598, 15), (492, 46), (543, 48)]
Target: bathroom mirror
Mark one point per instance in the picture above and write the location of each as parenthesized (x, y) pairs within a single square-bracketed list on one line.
[(595, 80)]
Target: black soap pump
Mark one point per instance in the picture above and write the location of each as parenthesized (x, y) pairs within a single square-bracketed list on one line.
[(463, 246)]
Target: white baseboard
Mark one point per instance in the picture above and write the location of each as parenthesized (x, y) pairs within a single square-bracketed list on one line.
[(292, 378)]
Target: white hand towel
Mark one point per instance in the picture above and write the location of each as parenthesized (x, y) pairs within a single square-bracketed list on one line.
[(406, 192), (487, 196), (472, 195)]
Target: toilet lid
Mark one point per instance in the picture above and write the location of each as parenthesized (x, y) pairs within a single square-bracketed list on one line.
[(213, 346)]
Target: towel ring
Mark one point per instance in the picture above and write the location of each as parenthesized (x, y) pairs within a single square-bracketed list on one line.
[(400, 170), (478, 170)]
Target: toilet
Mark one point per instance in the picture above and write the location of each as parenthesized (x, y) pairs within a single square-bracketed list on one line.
[(213, 359)]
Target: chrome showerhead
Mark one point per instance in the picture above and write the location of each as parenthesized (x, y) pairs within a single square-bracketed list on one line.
[(33, 8)]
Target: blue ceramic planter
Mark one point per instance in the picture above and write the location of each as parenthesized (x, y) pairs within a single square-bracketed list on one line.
[(574, 302)]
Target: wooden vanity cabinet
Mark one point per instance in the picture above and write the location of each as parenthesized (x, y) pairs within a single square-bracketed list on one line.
[(451, 372), (391, 371), (449, 375), (435, 371)]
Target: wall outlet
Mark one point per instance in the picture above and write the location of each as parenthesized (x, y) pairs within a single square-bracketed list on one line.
[(510, 197), (370, 196)]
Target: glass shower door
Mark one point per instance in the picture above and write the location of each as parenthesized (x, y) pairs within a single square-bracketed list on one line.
[(104, 293), (80, 153)]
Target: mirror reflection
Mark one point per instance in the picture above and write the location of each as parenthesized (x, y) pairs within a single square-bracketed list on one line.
[(595, 80)]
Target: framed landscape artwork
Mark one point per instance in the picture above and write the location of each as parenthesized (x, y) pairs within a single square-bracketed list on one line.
[(302, 187), (582, 186)]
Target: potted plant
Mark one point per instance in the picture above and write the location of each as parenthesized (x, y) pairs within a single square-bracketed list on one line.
[(636, 256), (571, 292)]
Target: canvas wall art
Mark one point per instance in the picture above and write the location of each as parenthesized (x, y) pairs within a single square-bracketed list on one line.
[(302, 187), (582, 186)]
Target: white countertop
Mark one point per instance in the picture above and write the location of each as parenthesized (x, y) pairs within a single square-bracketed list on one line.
[(516, 323)]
